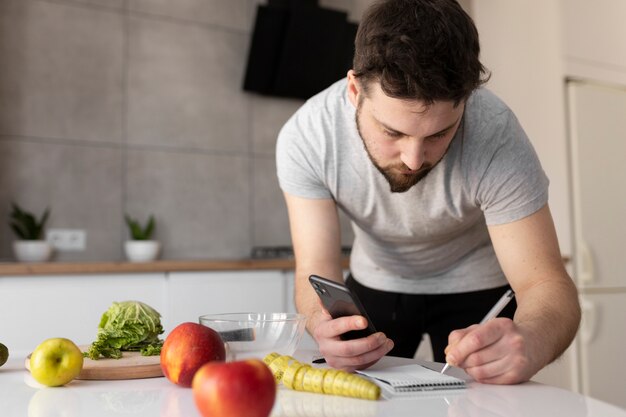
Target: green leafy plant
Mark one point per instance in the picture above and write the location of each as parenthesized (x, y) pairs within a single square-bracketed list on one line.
[(137, 232), (25, 225)]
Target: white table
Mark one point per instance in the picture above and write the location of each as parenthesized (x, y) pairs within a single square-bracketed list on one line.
[(21, 396)]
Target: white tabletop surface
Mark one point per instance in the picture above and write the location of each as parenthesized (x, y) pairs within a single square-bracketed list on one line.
[(21, 395)]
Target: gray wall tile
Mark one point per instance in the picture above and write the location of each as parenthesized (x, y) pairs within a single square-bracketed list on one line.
[(252, 9), (62, 71), (269, 212), (184, 86), (111, 4), (112, 106), (226, 13), (80, 184), (200, 201), (268, 115)]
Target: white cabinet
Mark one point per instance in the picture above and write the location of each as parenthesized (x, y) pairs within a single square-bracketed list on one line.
[(34, 308), (192, 294)]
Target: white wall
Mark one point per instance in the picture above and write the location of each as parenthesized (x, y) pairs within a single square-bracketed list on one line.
[(521, 46), (594, 39)]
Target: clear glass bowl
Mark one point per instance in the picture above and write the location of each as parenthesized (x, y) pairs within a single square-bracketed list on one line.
[(254, 335)]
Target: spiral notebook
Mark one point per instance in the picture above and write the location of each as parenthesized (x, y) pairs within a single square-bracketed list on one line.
[(412, 378)]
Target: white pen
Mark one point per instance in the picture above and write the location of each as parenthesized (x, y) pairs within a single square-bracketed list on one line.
[(495, 310)]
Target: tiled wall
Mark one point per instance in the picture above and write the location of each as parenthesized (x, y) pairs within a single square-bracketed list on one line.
[(135, 106)]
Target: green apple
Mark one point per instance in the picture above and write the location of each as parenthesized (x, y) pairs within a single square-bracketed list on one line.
[(56, 362)]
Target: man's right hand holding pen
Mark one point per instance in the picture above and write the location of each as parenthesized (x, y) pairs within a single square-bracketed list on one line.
[(495, 351)]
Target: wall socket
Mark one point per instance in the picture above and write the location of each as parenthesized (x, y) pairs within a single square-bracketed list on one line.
[(67, 240)]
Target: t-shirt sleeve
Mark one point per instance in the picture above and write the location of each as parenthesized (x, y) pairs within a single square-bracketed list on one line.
[(299, 159), (513, 184)]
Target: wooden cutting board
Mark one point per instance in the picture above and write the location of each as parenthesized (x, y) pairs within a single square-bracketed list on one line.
[(130, 366)]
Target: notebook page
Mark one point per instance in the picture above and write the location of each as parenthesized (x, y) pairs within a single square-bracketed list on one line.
[(413, 377)]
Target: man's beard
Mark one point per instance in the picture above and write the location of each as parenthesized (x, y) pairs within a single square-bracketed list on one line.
[(398, 182)]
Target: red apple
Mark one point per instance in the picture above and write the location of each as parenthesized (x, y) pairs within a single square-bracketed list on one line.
[(187, 348), (234, 389)]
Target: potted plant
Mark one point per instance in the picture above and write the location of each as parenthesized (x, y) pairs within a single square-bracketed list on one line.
[(140, 248), (31, 247)]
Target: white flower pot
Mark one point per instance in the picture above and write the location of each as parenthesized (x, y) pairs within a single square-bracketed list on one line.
[(32, 250), (142, 250)]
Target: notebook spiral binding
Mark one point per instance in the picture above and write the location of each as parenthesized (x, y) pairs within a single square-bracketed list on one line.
[(412, 386)]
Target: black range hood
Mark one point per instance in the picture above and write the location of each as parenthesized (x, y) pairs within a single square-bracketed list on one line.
[(298, 48)]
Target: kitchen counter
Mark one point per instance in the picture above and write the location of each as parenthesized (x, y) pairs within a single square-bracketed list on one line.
[(21, 396), (111, 267), (65, 268)]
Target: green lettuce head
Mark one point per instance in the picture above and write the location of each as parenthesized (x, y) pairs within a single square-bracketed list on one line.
[(127, 326)]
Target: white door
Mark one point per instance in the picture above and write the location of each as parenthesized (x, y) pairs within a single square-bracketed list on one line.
[(597, 120), (598, 145), (602, 341)]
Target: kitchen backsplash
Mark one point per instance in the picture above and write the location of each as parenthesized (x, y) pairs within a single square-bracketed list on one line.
[(110, 107)]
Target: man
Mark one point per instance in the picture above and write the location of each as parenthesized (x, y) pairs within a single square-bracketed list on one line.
[(447, 200)]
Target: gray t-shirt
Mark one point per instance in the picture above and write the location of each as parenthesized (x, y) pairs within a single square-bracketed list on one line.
[(433, 238)]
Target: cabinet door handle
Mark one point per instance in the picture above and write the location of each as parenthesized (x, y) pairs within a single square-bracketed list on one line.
[(586, 268), (588, 325)]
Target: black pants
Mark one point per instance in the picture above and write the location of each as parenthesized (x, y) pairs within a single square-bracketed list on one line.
[(404, 318)]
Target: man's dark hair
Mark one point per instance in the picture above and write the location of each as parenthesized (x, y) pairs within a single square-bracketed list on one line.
[(419, 50)]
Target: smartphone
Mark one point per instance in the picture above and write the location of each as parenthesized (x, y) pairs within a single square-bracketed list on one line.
[(340, 302)]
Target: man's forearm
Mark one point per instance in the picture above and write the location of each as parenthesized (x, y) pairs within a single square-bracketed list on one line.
[(306, 300), (314, 225), (550, 312), (305, 303)]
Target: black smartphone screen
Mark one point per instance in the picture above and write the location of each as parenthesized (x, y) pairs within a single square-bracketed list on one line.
[(341, 302)]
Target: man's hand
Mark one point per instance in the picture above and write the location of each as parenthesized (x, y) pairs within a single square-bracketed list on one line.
[(348, 355), (496, 352)]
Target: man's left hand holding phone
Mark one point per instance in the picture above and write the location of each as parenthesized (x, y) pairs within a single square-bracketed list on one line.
[(338, 318)]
